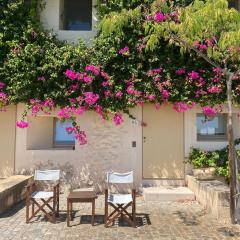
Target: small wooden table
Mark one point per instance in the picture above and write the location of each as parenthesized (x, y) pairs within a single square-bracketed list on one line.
[(80, 196)]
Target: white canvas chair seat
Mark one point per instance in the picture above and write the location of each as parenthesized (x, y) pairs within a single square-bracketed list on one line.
[(120, 198), (42, 195)]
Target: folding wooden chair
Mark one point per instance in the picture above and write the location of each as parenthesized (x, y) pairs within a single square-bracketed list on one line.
[(120, 202), (43, 199)]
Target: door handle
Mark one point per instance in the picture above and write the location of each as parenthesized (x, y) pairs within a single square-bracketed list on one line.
[(144, 139)]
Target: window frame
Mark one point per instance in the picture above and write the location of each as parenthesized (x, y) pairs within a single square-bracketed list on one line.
[(214, 137), (61, 144)]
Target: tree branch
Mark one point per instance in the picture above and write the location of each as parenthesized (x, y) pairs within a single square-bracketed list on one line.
[(186, 44)]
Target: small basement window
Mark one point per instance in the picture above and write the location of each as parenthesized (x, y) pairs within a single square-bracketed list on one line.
[(62, 139), (214, 129), (76, 15)]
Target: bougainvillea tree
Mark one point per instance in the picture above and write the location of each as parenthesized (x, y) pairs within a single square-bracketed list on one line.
[(215, 37)]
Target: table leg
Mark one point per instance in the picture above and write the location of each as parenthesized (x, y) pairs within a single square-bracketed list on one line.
[(93, 211), (68, 212), (71, 210)]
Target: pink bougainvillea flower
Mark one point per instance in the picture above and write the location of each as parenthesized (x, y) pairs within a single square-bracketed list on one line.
[(3, 96), (95, 70), (80, 110), (151, 97), (87, 79), (137, 93), (209, 111), (2, 85), (149, 18), (41, 78), (203, 46), (74, 87), (214, 89), (91, 98), (69, 130), (140, 47), (194, 75), (65, 113), (210, 42), (217, 71), (105, 76), (165, 94), (124, 50), (157, 79), (22, 124), (105, 83), (119, 94), (157, 106), (159, 17), (130, 90), (174, 15), (140, 102), (154, 72), (35, 110), (196, 44), (118, 118), (180, 71), (107, 93), (71, 74), (81, 137), (99, 109), (180, 106)]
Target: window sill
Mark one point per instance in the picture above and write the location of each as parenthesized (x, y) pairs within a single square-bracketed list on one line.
[(53, 149), (203, 139)]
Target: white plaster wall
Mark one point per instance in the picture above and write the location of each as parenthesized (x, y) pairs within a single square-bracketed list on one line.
[(109, 148), (50, 15), (7, 141), (191, 132)]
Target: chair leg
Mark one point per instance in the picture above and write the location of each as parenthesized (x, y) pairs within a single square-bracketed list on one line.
[(106, 208), (58, 201), (134, 214), (106, 215), (68, 213), (27, 210), (33, 206)]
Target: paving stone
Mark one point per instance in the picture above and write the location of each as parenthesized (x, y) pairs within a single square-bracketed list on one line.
[(157, 220)]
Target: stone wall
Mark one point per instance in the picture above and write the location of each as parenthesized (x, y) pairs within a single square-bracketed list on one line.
[(213, 195), (12, 191)]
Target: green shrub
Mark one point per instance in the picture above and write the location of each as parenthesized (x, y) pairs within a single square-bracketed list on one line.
[(217, 159)]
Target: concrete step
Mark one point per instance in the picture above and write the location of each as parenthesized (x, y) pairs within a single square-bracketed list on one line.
[(168, 193)]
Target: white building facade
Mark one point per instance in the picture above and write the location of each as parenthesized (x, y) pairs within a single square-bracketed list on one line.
[(156, 152)]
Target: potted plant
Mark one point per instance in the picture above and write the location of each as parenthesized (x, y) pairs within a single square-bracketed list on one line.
[(204, 163)]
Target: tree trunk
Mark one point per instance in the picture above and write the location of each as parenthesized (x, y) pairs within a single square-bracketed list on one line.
[(233, 169)]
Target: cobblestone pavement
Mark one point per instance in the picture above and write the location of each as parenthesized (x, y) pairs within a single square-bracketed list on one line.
[(157, 220)]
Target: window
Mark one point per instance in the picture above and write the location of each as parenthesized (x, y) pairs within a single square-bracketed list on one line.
[(211, 129), (233, 4), (76, 15), (61, 137)]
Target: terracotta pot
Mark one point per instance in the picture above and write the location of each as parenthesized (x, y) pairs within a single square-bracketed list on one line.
[(204, 173)]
